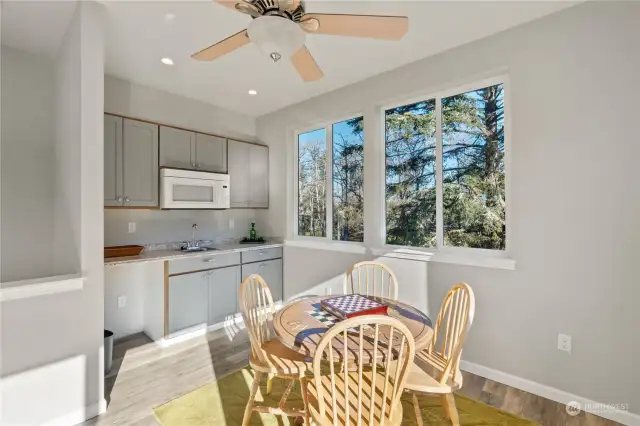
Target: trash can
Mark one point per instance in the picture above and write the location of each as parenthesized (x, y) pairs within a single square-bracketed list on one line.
[(108, 350)]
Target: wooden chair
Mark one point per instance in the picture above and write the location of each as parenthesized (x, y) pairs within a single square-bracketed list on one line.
[(436, 368), (371, 279), (268, 356), (367, 389)]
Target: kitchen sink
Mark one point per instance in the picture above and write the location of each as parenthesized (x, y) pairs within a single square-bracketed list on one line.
[(196, 249)]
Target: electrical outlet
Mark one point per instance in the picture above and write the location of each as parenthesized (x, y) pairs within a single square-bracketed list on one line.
[(132, 227), (564, 343), (232, 224), (122, 301)]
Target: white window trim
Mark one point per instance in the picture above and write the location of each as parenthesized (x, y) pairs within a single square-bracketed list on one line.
[(327, 240), (375, 238)]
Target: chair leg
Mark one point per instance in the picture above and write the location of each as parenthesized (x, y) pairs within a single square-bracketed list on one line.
[(286, 394), (449, 406), (416, 408), (252, 396), (305, 399), (269, 384)]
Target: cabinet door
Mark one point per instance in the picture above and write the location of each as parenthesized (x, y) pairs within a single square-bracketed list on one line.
[(188, 300), (211, 153), (113, 188), (271, 271), (177, 148), (258, 176), (239, 173), (223, 293), (140, 163)]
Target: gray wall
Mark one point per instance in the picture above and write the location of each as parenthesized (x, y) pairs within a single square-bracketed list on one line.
[(28, 174), (574, 196), (51, 348)]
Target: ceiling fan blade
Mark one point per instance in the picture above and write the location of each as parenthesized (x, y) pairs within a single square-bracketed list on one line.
[(306, 66), (227, 45), (369, 26), (241, 6)]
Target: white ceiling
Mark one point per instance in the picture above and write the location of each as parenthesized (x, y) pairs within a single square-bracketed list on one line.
[(138, 36)]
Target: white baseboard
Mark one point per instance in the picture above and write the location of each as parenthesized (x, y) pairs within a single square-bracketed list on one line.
[(557, 395), (80, 416)]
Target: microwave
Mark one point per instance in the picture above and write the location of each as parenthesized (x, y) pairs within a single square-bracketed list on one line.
[(188, 189)]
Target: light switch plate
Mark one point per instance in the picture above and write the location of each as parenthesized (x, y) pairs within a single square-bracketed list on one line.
[(122, 301), (232, 224), (132, 227)]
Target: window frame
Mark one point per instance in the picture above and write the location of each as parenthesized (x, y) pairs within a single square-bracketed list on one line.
[(327, 125), (438, 96)]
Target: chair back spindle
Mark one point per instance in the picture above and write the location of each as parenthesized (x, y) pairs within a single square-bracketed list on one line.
[(371, 279)]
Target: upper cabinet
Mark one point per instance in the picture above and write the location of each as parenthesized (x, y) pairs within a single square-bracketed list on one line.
[(184, 149), (211, 153), (113, 185), (130, 163), (140, 165), (176, 148), (249, 174)]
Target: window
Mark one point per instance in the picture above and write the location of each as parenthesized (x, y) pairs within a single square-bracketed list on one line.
[(332, 195), (312, 172), (473, 169), (410, 145), (469, 151)]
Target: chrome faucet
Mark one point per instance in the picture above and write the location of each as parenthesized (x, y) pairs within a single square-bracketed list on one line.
[(193, 243)]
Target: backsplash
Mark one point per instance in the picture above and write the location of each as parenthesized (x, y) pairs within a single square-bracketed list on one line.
[(168, 226)]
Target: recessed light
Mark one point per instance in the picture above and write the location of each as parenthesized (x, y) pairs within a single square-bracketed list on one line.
[(168, 17), (253, 92), (167, 61)]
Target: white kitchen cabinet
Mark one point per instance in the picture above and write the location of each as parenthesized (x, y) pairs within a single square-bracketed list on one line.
[(140, 163), (210, 153), (113, 184), (271, 271), (249, 173), (177, 148), (223, 293), (188, 301)]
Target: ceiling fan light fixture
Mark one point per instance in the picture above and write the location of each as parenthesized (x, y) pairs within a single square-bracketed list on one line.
[(276, 36)]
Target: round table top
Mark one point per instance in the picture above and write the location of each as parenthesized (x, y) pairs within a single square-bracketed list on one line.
[(300, 331)]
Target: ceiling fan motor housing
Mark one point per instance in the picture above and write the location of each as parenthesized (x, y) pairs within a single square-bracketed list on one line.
[(272, 8)]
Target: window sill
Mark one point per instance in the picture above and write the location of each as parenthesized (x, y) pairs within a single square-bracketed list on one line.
[(344, 247), (482, 260), (26, 289)]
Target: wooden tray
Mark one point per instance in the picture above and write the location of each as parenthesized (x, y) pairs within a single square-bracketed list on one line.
[(121, 251)]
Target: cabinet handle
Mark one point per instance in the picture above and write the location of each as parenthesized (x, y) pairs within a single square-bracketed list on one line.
[(213, 259), (119, 199), (262, 265), (261, 253), (126, 199)]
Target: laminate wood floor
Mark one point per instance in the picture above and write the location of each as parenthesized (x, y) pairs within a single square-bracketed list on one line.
[(145, 375)]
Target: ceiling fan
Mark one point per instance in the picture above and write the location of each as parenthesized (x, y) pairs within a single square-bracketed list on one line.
[(279, 28)]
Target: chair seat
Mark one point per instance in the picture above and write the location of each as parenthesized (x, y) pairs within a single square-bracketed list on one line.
[(282, 360), (353, 388), (425, 373)]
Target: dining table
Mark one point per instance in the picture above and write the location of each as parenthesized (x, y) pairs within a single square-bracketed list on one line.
[(301, 324)]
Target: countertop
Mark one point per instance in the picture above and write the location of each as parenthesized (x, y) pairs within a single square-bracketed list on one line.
[(171, 254)]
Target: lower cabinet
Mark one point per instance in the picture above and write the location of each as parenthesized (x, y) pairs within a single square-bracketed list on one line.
[(271, 271), (223, 293), (188, 300), (203, 298)]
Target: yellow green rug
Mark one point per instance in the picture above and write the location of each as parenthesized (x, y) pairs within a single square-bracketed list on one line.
[(222, 403)]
